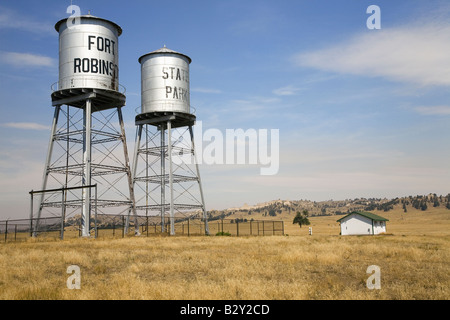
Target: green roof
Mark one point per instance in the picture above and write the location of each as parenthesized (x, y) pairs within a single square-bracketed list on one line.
[(369, 215)]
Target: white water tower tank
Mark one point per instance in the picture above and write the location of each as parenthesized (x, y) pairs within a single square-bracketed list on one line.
[(88, 53), (165, 81)]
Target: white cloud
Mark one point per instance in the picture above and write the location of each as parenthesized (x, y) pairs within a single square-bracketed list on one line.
[(25, 125), (18, 59), (433, 110), (206, 90), (412, 54), (10, 19), (286, 91)]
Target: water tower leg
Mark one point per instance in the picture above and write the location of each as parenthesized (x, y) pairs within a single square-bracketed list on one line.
[(47, 166), (169, 151), (86, 181), (163, 177), (135, 161), (205, 217), (136, 150), (130, 179)]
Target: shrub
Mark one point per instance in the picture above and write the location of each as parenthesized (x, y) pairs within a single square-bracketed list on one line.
[(227, 234)]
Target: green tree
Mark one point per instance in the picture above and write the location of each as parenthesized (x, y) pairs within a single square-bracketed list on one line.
[(436, 202), (301, 218), (423, 206)]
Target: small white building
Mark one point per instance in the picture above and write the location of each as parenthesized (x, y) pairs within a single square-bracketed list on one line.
[(360, 223)]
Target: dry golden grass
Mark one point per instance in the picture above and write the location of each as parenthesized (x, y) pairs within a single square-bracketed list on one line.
[(414, 263)]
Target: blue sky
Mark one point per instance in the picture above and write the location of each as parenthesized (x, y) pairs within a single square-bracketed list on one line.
[(361, 113)]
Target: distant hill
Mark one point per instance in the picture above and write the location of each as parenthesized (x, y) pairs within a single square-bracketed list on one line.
[(283, 209), (276, 208)]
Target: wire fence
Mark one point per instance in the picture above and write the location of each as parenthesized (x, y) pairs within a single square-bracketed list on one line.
[(120, 226)]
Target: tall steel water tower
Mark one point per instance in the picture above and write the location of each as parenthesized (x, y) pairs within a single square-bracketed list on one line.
[(165, 171), (87, 144)]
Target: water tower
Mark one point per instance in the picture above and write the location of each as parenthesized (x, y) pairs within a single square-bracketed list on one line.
[(165, 185), (87, 144)]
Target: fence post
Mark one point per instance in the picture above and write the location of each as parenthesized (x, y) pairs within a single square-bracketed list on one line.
[(263, 228), (6, 230), (188, 226), (123, 226), (251, 227), (15, 232), (62, 213), (273, 228), (95, 223), (237, 227), (31, 214)]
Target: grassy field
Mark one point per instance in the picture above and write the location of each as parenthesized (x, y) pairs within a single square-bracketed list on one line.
[(414, 260)]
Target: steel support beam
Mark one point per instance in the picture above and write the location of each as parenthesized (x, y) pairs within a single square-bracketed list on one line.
[(169, 151), (86, 180), (199, 181), (130, 179), (47, 166), (163, 174)]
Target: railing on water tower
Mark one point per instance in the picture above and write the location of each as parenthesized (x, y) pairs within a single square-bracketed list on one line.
[(55, 87)]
